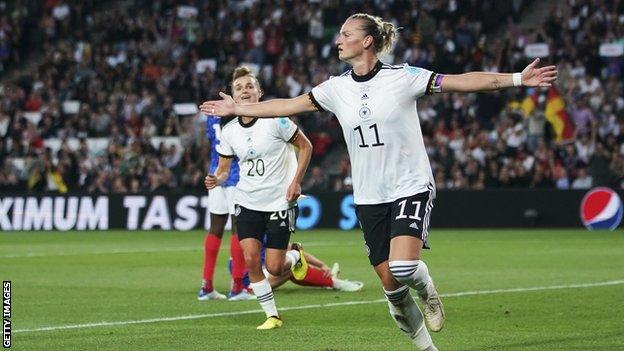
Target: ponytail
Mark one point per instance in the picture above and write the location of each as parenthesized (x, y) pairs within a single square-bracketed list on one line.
[(383, 33)]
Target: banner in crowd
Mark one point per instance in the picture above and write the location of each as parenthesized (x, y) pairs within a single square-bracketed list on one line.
[(453, 209)]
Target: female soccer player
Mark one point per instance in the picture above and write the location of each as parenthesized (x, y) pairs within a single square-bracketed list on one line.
[(393, 185), (267, 191)]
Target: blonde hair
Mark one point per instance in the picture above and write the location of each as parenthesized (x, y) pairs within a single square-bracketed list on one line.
[(244, 71), (383, 33)]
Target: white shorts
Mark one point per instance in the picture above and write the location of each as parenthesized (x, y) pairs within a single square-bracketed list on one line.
[(221, 200)]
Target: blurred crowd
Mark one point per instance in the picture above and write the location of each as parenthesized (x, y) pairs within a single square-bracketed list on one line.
[(126, 68)]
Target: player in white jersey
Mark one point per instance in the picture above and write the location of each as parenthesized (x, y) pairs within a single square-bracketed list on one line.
[(266, 194), (393, 184)]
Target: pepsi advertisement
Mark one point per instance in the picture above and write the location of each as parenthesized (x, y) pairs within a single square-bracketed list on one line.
[(595, 209)]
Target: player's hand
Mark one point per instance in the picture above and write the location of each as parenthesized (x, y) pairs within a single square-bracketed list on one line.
[(222, 108), (294, 191), (538, 77), (210, 181)]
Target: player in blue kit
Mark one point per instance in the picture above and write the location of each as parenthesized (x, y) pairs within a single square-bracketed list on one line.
[(220, 205)]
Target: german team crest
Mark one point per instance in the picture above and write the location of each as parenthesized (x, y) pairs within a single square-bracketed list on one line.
[(364, 112), (601, 208)]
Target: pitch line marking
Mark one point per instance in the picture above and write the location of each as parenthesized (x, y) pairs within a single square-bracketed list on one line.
[(306, 307)]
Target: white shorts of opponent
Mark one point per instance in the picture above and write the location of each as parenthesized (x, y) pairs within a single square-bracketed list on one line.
[(221, 200)]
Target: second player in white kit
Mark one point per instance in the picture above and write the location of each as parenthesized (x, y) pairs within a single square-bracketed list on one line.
[(266, 193)]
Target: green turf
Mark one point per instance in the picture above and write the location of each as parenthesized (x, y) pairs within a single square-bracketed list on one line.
[(75, 278)]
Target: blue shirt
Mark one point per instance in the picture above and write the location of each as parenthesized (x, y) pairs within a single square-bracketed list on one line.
[(213, 133)]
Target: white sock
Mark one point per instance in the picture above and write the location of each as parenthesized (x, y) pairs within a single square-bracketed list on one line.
[(409, 318), (264, 293), (293, 256), (414, 274)]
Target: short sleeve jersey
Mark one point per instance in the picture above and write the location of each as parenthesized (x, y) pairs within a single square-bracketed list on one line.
[(267, 160), (381, 128), (213, 133)]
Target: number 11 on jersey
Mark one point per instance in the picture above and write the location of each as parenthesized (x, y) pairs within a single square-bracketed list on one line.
[(363, 142)]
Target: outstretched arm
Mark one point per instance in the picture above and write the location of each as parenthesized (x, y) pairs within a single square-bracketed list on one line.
[(531, 76), (266, 109)]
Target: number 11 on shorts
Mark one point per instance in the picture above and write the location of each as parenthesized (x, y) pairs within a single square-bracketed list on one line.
[(402, 212)]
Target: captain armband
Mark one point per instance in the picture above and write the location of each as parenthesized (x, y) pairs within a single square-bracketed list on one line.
[(435, 83)]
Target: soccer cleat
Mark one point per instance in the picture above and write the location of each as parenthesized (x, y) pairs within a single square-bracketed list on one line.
[(433, 308), (347, 285), (272, 322), (243, 295), (213, 295), (300, 269)]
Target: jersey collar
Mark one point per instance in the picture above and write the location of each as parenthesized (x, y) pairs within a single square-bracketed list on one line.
[(368, 76), (247, 125)]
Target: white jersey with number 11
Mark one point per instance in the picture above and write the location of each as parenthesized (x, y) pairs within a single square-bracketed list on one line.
[(381, 127)]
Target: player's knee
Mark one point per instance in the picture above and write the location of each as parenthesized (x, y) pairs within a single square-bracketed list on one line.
[(275, 269), (388, 281), (217, 231), (252, 260), (403, 271)]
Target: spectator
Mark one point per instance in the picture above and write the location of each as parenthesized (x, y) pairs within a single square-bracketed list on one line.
[(317, 181), (128, 78), (583, 180)]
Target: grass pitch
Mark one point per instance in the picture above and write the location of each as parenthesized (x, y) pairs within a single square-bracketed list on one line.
[(504, 290)]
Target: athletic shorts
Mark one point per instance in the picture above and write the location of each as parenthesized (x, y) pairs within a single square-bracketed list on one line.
[(221, 200), (278, 226), (382, 222)]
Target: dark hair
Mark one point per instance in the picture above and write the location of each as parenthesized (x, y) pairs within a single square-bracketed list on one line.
[(383, 33)]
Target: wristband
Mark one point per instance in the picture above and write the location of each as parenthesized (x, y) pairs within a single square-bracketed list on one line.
[(517, 79)]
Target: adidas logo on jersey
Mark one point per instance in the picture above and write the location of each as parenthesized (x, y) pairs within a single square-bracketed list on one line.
[(283, 224), (364, 97), (414, 225)]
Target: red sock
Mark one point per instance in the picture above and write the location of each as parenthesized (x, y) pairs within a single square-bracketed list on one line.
[(211, 250), (237, 285), (314, 277), (238, 259)]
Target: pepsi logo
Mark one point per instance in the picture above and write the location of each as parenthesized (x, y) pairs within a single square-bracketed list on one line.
[(601, 208)]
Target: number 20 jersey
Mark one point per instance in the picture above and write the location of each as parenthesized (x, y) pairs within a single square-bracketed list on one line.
[(381, 127), (267, 161)]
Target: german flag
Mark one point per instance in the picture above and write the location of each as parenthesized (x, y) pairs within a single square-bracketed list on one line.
[(558, 117), (555, 113)]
